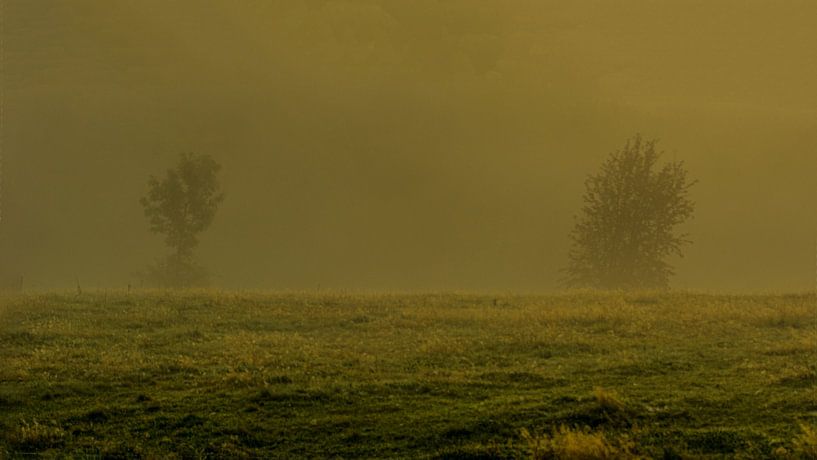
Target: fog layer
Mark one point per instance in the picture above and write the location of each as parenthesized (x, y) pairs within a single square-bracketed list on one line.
[(402, 145)]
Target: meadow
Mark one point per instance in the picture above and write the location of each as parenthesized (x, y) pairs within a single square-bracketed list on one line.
[(220, 374)]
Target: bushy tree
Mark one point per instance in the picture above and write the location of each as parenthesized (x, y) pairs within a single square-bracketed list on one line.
[(627, 226), (180, 206)]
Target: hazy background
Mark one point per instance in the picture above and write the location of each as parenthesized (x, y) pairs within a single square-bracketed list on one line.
[(403, 145)]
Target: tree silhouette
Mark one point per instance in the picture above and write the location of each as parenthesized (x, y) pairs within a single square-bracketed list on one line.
[(180, 206), (626, 227)]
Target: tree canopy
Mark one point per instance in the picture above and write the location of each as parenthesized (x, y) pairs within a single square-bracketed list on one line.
[(180, 206), (627, 225)]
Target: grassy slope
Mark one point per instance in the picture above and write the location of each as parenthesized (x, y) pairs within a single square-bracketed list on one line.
[(305, 375)]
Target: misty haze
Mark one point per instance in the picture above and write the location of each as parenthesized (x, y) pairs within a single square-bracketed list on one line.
[(437, 229), (384, 146)]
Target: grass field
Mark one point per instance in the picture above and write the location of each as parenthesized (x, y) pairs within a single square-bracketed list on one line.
[(294, 375)]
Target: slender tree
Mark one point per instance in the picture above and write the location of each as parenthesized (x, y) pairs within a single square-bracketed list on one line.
[(627, 226), (180, 206)]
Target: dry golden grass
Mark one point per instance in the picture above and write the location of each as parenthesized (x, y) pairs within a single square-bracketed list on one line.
[(805, 445), (578, 444)]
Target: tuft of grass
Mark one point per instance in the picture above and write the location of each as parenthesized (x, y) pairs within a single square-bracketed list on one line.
[(36, 436), (578, 444), (608, 400), (805, 444)]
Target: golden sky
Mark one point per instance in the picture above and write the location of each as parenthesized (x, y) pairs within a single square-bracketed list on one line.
[(403, 145)]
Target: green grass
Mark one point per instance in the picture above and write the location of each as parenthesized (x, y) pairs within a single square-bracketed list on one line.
[(289, 375)]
